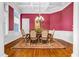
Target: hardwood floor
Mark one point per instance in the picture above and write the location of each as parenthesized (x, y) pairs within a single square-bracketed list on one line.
[(36, 52)]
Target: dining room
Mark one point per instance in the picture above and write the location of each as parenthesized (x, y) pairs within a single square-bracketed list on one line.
[(38, 29)]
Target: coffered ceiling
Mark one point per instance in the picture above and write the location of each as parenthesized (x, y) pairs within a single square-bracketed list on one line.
[(41, 7)]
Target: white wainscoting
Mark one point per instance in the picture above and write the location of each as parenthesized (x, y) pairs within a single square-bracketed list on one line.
[(64, 35), (11, 36)]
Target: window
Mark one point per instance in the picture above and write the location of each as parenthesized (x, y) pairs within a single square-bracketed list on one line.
[(16, 21)]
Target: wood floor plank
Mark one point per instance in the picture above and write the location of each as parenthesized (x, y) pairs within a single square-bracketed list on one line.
[(37, 52)]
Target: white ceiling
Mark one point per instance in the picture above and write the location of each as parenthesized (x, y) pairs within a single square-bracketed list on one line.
[(41, 7)]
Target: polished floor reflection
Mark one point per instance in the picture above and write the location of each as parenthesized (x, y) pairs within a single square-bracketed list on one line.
[(38, 52)]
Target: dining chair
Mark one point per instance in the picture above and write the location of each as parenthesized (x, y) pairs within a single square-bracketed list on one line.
[(44, 36), (24, 36), (33, 36), (51, 36), (53, 32)]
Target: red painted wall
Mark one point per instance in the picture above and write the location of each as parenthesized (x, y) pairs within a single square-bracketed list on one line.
[(11, 18), (62, 20), (32, 17), (67, 18), (55, 21), (46, 22)]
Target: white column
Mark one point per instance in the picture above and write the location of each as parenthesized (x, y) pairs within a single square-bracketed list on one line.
[(2, 29), (6, 23), (76, 30)]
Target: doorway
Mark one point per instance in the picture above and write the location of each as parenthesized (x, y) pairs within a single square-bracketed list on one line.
[(25, 24)]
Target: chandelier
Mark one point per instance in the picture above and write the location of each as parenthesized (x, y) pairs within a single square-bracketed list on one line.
[(39, 17)]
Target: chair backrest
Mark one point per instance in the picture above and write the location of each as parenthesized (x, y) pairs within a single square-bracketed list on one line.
[(44, 33), (53, 32), (32, 33), (22, 32)]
